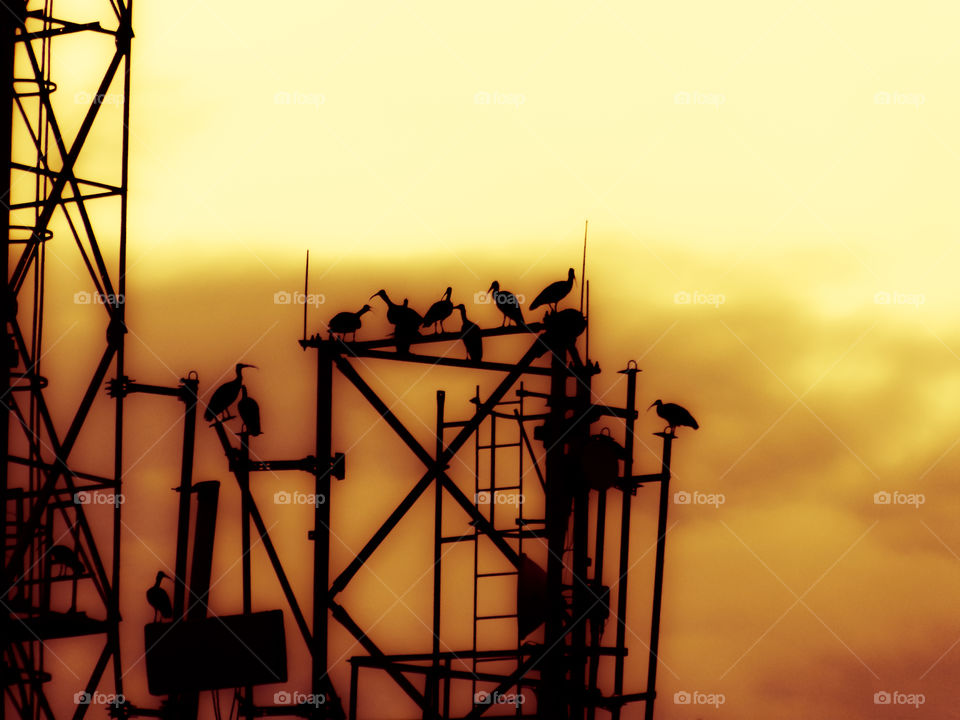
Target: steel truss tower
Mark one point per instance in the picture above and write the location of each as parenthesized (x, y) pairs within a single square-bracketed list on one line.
[(558, 671), (60, 522)]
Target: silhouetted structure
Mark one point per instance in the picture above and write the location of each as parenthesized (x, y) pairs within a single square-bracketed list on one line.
[(55, 179), (539, 416)]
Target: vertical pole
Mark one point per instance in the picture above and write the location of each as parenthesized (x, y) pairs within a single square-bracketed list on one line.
[(434, 693), (624, 566), (124, 36), (9, 23), (321, 516), (552, 700), (658, 575), (243, 477), (188, 393), (582, 596), (200, 568)]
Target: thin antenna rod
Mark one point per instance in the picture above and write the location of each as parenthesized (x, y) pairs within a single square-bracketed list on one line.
[(583, 270), (586, 351), (306, 278)]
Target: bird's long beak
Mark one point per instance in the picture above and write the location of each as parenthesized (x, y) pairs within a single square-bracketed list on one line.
[(249, 366), (490, 288), (653, 404)]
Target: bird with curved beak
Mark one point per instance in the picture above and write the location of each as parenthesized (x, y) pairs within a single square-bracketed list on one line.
[(675, 415), (224, 395), (405, 320), (158, 598), (438, 312), (506, 303), (554, 292)]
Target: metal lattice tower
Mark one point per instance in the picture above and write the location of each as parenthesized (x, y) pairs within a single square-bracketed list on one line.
[(56, 191)]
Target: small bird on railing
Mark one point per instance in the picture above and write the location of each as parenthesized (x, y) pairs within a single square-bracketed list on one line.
[(249, 412), (66, 558), (438, 312), (554, 292), (470, 334), (158, 598), (347, 322), (675, 416), (224, 395), (506, 303)]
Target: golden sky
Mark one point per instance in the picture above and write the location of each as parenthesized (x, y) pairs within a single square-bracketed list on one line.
[(788, 168)]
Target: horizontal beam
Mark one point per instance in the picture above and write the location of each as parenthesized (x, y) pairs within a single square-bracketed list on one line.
[(447, 361), (356, 347)]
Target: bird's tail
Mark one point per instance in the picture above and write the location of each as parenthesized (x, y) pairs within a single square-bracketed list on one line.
[(208, 415)]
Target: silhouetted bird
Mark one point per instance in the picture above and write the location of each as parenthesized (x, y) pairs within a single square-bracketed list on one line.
[(158, 598), (507, 303), (439, 311), (249, 412), (675, 416), (554, 292), (66, 558), (224, 395), (347, 322), (470, 334), (406, 321)]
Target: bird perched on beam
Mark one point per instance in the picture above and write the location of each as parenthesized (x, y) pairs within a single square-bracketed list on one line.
[(438, 312), (347, 322), (158, 598), (554, 292), (249, 412), (506, 303), (675, 415), (406, 321), (470, 334), (224, 395)]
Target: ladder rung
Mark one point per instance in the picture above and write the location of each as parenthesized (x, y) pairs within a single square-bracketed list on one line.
[(500, 488), (497, 617), (497, 574), (498, 446)]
